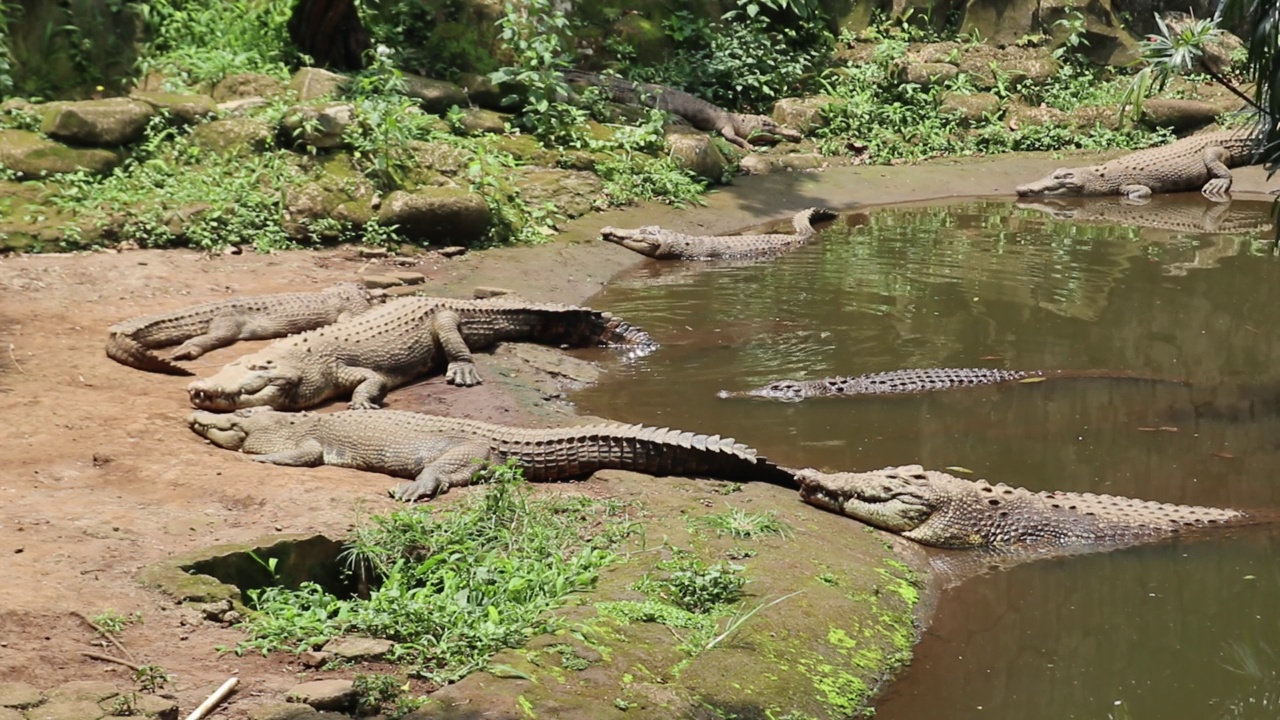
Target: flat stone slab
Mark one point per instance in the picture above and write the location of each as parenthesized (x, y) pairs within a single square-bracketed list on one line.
[(323, 694), (408, 278), (67, 710), (358, 648), (380, 281), (114, 121), (19, 695), (283, 711), (90, 690), (154, 706)]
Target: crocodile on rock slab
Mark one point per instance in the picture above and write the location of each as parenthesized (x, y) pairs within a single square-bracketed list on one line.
[(1200, 162), (898, 382), (436, 453), (738, 128), (400, 341), (941, 510), (660, 244), (212, 325)]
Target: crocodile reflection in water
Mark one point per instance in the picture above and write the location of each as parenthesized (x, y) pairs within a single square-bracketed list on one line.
[(1184, 214)]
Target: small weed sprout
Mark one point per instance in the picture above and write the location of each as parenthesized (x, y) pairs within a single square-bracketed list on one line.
[(742, 525), (124, 705), (151, 678), (113, 622)]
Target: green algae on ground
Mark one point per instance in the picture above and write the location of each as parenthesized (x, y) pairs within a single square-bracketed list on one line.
[(820, 652)]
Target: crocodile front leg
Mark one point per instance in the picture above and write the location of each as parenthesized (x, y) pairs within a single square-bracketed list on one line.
[(369, 387), (222, 331), (727, 130), (457, 467), (308, 454), (462, 369), (1215, 161)]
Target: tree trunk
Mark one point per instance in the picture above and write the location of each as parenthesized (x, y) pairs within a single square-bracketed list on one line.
[(330, 32)]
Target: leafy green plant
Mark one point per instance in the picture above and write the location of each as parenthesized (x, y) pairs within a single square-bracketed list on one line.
[(450, 587), (202, 42), (694, 586), (535, 32), (151, 677), (383, 694), (113, 622)]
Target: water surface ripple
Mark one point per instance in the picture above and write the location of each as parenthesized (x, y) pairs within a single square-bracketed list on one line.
[(1174, 631)]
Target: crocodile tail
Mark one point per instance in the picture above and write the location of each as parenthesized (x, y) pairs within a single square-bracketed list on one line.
[(803, 220), (579, 451), (124, 349)]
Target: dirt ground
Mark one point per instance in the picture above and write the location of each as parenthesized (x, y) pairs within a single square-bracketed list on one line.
[(100, 477)]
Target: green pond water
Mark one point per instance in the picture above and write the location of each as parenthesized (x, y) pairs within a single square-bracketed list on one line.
[(1179, 290)]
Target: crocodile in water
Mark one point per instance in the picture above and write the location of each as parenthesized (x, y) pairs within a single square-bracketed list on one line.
[(1177, 214), (217, 324), (738, 128), (897, 382), (934, 508), (437, 453), (400, 341), (660, 244), (1200, 162)]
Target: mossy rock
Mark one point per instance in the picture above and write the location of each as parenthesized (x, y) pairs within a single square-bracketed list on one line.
[(183, 107), (247, 85), (989, 67), (970, 108), (926, 73), (801, 114), (1104, 116), (478, 121), (238, 136), (485, 93), (438, 158), (645, 36), (33, 156), (322, 126), (573, 192), (101, 123), (1021, 116), (312, 83), (435, 96), (437, 215), (696, 152), (526, 148), (1179, 115)]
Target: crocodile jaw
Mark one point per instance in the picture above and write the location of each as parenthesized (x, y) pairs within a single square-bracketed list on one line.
[(886, 503), (784, 390), (640, 240), (246, 383), (1063, 181), (221, 429)]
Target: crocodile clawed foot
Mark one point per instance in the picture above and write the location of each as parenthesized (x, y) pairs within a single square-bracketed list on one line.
[(1217, 190), (363, 405), (463, 374), (418, 490)]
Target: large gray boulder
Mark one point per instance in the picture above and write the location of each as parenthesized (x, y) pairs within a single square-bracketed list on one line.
[(311, 83), (695, 151), (247, 85), (101, 123), (33, 156), (803, 114), (233, 135), (438, 215), (969, 108), (186, 108), (320, 126), (435, 96), (1179, 115)]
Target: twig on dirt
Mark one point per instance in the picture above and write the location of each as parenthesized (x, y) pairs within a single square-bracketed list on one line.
[(110, 636), (14, 358), (107, 658), (218, 696)]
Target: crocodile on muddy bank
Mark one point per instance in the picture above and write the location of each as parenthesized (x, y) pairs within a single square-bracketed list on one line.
[(934, 508), (900, 382), (738, 128), (660, 244), (437, 453), (369, 355), (1200, 162), (212, 325)]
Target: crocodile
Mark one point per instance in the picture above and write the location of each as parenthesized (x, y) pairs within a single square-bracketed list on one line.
[(941, 510), (738, 128), (660, 244), (371, 354), (1200, 162), (898, 382), (436, 453), (212, 325)]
